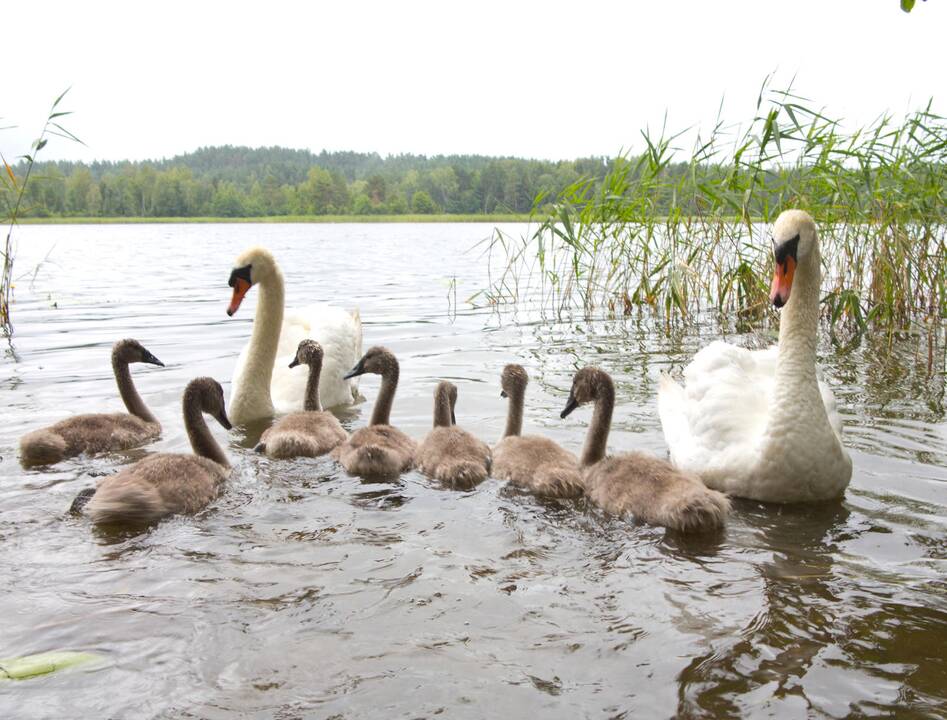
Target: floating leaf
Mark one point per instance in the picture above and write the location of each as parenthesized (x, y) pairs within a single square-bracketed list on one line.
[(28, 666)]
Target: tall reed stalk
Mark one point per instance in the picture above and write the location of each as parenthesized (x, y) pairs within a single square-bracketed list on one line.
[(685, 236), (16, 189)]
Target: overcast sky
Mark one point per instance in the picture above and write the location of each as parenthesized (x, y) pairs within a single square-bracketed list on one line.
[(531, 79)]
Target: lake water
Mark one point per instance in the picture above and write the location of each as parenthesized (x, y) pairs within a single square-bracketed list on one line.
[(302, 592)]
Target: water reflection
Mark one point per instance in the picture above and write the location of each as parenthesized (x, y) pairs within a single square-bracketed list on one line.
[(771, 659)]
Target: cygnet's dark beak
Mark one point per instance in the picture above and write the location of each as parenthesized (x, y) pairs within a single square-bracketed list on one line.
[(453, 418), (571, 405), (81, 500), (223, 420), (503, 394), (295, 362), (147, 357), (357, 370)]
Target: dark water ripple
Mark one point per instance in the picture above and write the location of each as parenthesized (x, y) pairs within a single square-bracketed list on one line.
[(303, 592)]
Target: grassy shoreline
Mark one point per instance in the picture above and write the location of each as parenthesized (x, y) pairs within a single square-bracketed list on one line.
[(443, 218)]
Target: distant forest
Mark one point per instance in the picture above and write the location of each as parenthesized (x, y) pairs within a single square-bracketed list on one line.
[(259, 182)]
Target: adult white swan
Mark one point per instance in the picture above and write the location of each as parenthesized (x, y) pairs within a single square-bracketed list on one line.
[(759, 424), (259, 390)]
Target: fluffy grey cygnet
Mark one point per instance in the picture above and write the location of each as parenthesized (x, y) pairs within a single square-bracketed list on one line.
[(449, 453), (166, 484), (380, 450), (311, 432), (94, 433), (635, 483), (531, 462)]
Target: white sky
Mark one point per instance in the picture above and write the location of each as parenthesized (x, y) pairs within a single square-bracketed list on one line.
[(532, 79)]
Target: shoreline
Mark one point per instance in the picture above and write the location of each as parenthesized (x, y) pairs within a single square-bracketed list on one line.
[(279, 219)]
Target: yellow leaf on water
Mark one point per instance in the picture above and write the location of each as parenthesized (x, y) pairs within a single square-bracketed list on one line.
[(23, 668)]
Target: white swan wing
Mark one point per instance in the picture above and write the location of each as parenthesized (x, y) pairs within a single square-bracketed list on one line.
[(340, 334), (831, 407), (718, 418)]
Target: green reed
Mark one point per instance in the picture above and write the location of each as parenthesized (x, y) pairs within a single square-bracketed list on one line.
[(685, 236), (14, 192)]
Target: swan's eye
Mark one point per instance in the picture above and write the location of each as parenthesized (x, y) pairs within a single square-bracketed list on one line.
[(787, 249), (242, 273)]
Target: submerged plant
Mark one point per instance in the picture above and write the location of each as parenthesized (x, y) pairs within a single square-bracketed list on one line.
[(15, 192), (682, 237)]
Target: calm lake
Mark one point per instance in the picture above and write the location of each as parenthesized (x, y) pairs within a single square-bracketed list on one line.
[(303, 592)]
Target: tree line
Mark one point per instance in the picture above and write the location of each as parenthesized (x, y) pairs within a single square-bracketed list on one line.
[(271, 182), (265, 182)]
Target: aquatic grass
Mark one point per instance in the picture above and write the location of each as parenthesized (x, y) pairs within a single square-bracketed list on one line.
[(14, 193), (685, 236)]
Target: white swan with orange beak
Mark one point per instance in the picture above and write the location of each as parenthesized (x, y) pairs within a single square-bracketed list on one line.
[(759, 424), (261, 386)]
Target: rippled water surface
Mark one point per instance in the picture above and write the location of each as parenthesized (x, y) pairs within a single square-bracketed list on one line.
[(302, 592)]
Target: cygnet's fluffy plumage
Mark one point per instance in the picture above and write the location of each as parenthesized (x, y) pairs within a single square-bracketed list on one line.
[(310, 432), (648, 488), (379, 451), (531, 462), (449, 453), (652, 490), (166, 484), (98, 432)]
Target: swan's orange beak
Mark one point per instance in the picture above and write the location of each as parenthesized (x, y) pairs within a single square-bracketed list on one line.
[(782, 281), (240, 287)]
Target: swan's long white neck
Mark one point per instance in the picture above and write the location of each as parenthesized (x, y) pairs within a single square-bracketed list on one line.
[(254, 388), (796, 382)]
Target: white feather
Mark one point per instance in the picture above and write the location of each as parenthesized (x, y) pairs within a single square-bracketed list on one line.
[(340, 334), (716, 424)]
